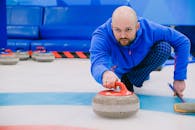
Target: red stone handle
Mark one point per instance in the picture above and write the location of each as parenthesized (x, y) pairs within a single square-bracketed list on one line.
[(123, 90)]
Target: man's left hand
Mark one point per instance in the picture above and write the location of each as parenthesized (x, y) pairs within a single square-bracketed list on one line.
[(179, 86)]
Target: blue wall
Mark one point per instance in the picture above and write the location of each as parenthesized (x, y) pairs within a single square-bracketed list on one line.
[(167, 12), (175, 12), (68, 2), (3, 36)]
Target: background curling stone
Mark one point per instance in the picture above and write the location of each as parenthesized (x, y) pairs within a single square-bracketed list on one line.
[(22, 55), (38, 50), (42, 55), (7, 57), (116, 104)]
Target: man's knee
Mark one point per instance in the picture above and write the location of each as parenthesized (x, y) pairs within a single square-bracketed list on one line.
[(162, 48)]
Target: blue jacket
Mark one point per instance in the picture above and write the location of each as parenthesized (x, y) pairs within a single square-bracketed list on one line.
[(107, 54)]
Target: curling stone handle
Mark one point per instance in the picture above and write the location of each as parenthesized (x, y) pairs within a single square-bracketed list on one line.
[(122, 86), (123, 91)]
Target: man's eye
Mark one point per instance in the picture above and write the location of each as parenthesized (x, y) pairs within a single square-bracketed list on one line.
[(117, 30), (128, 29)]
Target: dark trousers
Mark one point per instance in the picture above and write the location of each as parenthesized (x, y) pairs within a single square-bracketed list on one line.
[(159, 53)]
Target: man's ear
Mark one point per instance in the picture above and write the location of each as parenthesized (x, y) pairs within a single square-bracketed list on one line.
[(137, 26)]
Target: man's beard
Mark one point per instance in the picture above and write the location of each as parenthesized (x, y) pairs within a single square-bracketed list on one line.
[(125, 41)]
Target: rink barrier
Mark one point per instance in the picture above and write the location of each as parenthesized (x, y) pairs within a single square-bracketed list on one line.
[(68, 54)]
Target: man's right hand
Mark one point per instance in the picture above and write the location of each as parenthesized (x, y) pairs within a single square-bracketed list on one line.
[(108, 79)]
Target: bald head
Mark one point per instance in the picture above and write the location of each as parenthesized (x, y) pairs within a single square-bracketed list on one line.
[(124, 25), (124, 13)]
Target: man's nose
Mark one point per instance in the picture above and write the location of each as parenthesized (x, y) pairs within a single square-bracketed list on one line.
[(123, 34)]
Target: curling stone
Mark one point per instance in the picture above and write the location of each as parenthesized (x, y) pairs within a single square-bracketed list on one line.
[(22, 55), (41, 55), (116, 104), (7, 57)]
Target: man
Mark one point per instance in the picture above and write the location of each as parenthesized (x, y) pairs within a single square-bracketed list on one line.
[(129, 48)]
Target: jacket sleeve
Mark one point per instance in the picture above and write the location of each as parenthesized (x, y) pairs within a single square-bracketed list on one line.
[(181, 46), (99, 56)]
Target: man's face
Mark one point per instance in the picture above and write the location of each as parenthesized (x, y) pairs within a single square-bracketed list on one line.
[(125, 31)]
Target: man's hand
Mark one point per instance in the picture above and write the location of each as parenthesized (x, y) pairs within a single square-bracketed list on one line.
[(109, 78), (179, 86)]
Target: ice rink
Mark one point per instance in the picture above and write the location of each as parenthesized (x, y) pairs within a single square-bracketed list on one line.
[(58, 96)]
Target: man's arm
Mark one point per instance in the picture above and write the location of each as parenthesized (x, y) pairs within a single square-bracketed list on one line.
[(181, 46), (99, 56)]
